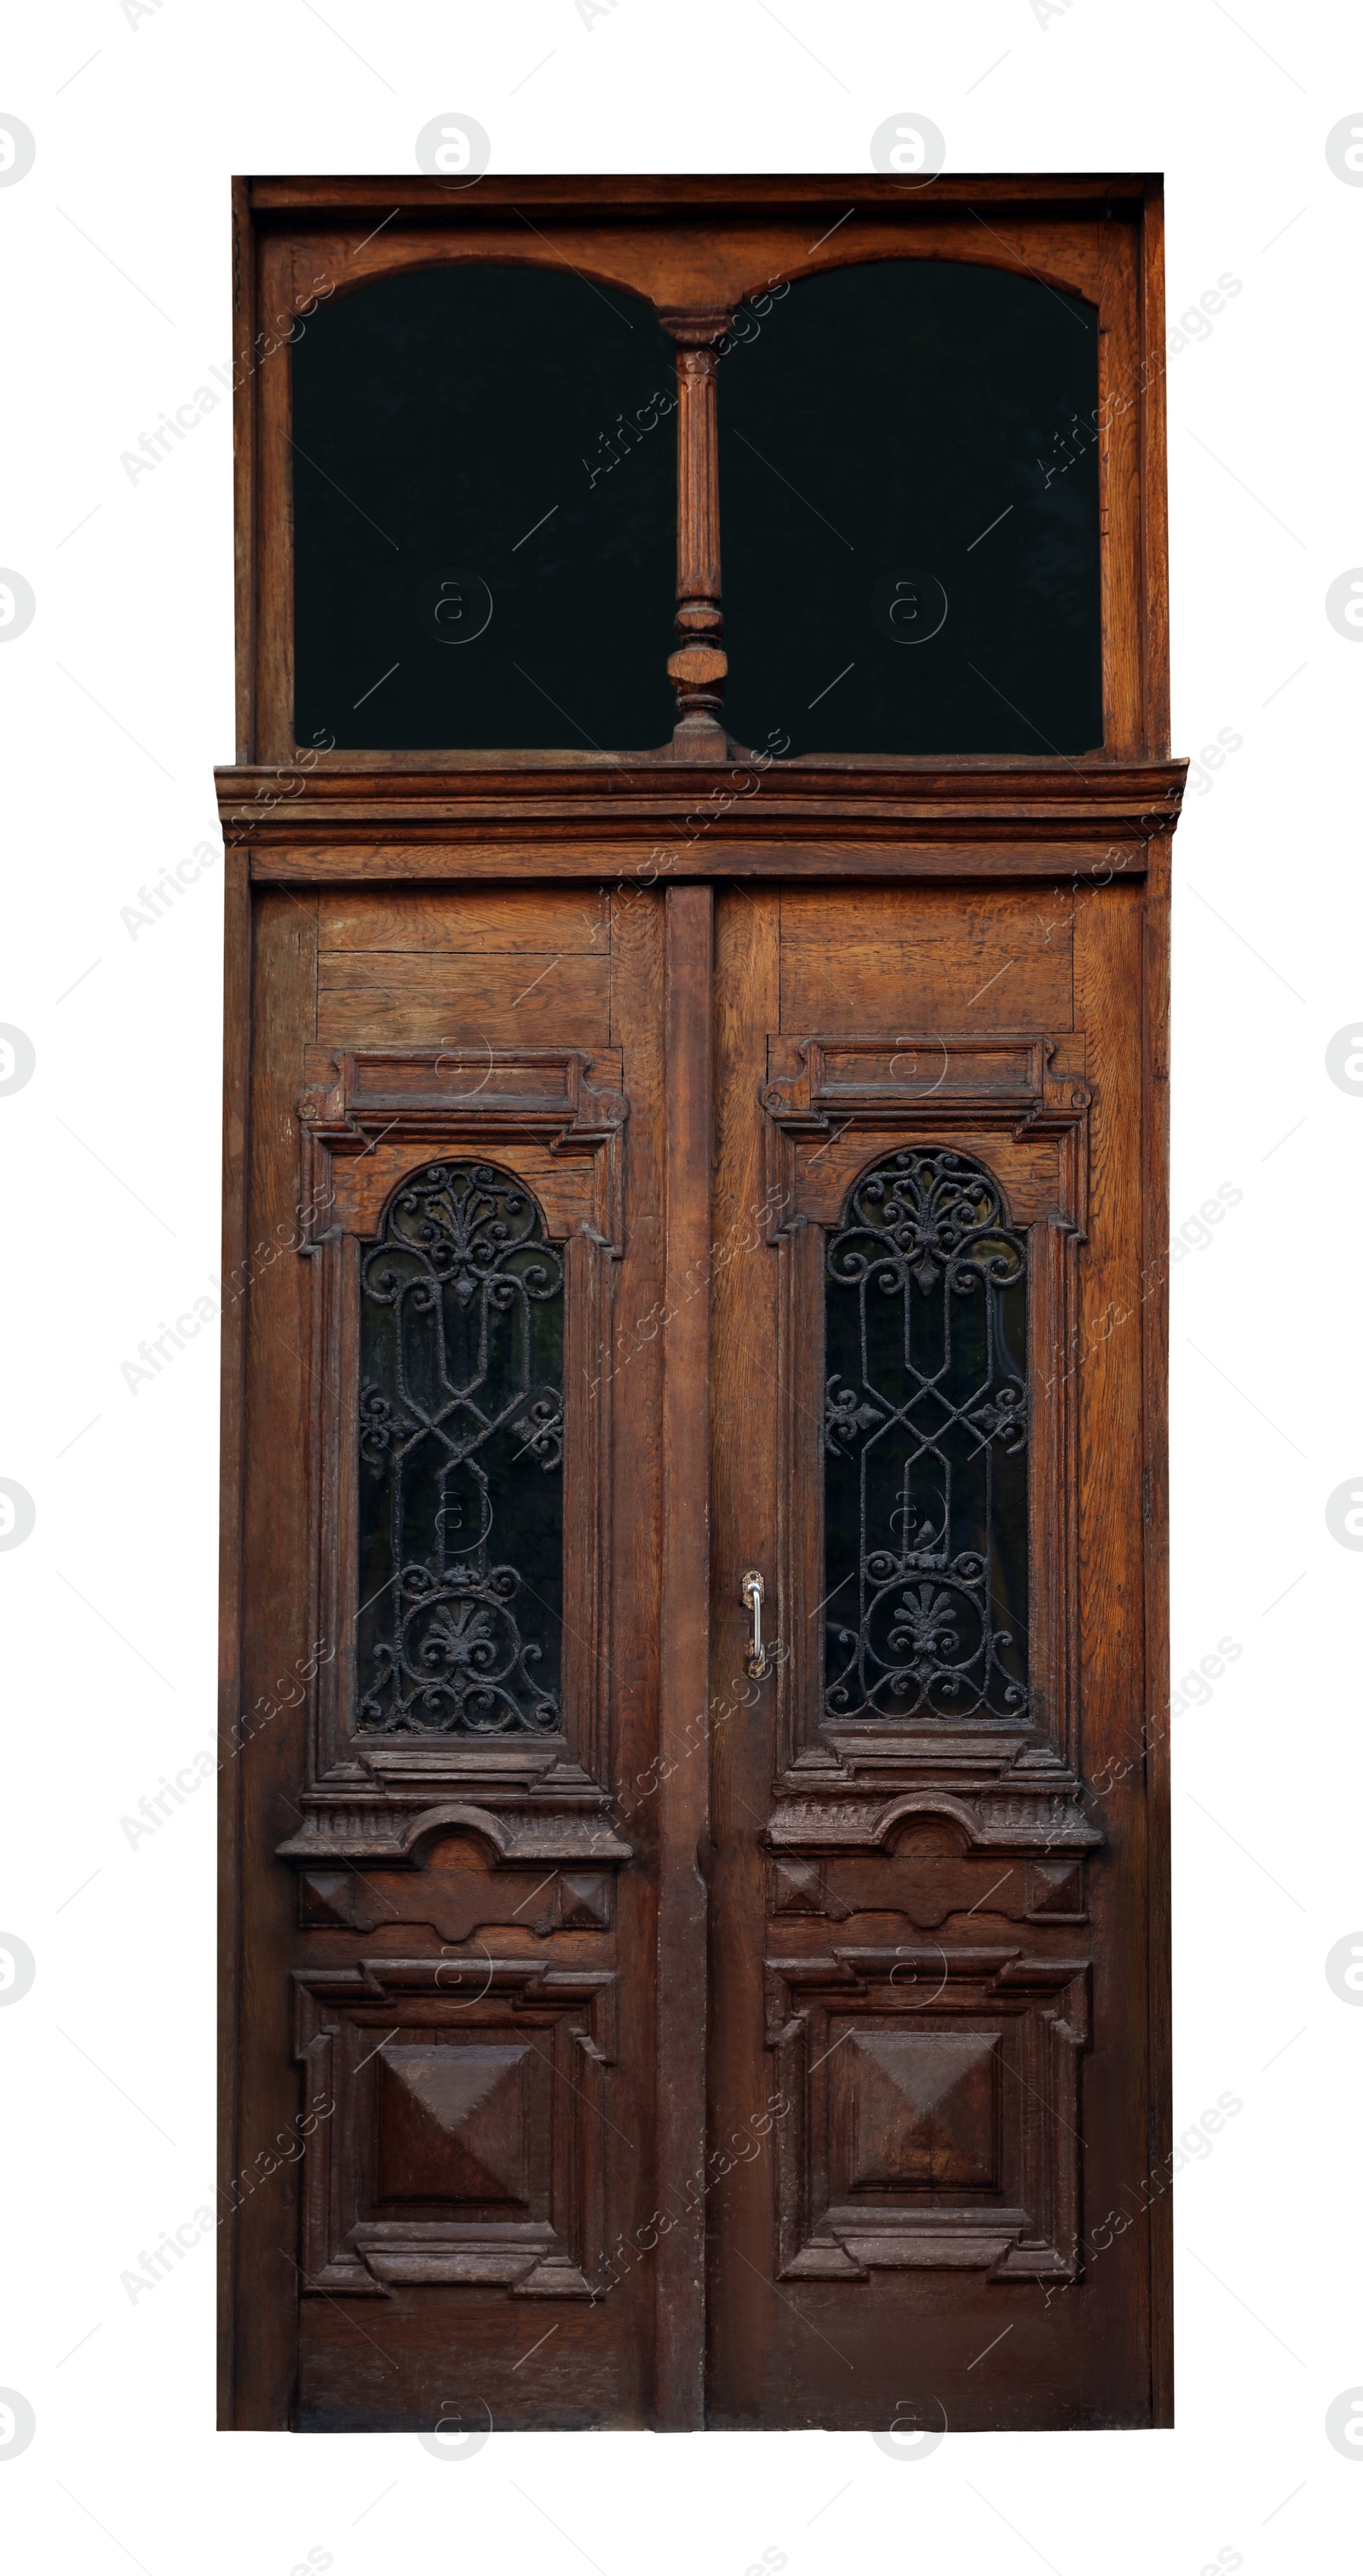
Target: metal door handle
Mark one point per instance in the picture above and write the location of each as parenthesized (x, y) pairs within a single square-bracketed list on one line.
[(754, 1593)]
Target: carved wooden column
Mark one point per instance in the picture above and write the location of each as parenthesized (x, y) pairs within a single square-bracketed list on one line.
[(697, 668)]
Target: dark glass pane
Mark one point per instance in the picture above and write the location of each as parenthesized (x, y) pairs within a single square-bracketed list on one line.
[(484, 481), (461, 1454), (925, 1433), (909, 493)]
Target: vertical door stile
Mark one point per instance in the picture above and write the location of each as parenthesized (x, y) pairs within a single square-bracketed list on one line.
[(683, 1794)]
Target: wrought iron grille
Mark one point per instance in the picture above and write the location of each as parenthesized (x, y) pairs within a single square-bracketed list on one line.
[(925, 1436), (460, 1435)]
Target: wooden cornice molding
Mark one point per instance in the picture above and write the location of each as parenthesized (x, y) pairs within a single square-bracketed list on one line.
[(570, 816), (714, 192)]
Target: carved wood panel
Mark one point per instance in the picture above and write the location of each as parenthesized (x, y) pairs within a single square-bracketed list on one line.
[(937, 2111), (459, 1890), (1017, 1106), (553, 1118), (463, 2144), (929, 1879), (929, 2124)]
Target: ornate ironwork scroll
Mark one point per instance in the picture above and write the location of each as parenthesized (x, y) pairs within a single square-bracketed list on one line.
[(460, 1434), (925, 1433)]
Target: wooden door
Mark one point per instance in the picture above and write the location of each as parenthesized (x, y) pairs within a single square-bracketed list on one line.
[(459, 1264), (930, 1929), (668, 1190)]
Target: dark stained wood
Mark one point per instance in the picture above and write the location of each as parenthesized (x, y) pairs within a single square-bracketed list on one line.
[(1154, 1299), (683, 1621), (1114, 1616), (235, 1145), (266, 393), (244, 465), (708, 193), (1124, 354), (1154, 588), (1154, 442), (266, 1749), (638, 978), (711, 268)]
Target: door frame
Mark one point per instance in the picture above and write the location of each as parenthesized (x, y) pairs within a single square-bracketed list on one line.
[(301, 820)]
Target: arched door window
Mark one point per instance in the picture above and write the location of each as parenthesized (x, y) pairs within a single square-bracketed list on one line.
[(909, 499), (484, 481), (872, 498)]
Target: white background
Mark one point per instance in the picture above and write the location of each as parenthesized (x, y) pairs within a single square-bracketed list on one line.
[(117, 703)]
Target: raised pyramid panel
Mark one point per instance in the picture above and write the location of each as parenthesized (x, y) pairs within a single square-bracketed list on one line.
[(922, 2108), (452, 2123)]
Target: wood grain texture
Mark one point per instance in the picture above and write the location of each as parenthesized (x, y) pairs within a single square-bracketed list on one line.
[(272, 392), (1125, 367), (684, 1647), (930, 960), (1154, 474), (403, 998), (638, 951), (547, 2179), (698, 667), (244, 478), (709, 267), (823, 2284), (694, 269), (267, 1743), (1044, 859), (748, 1500), (708, 194), (487, 923), (590, 801), (1114, 1462), (556, 901), (1154, 1289), (235, 1151)]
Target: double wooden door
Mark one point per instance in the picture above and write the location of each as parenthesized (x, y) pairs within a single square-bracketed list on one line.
[(698, 1376)]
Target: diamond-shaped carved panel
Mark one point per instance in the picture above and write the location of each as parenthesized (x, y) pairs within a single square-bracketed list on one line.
[(936, 2117), (920, 2108), (452, 2124), (464, 2136)]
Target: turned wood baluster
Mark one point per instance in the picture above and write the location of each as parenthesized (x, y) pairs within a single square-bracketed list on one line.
[(697, 668)]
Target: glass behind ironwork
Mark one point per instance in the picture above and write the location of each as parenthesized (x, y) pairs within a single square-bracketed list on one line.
[(484, 486), (460, 1436), (909, 494), (925, 1434)]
